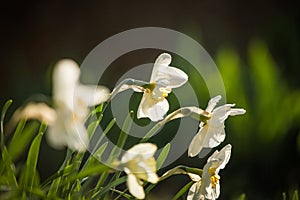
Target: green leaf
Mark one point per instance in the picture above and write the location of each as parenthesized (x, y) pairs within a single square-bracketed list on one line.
[(4, 110), (29, 178), (89, 171), (283, 196), (108, 187), (7, 174), (95, 158), (296, 195), (122, 138), (22, 138), (122, 193), (163, 156), (183, 190), (242, 197), (53, 190)]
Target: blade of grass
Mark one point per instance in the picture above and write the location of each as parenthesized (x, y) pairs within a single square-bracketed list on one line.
[(108, 187), (7, 170), (3, 112), (183, 190), (21, 140), (117, 148), (28, 179), (116, 151), (163, 156)]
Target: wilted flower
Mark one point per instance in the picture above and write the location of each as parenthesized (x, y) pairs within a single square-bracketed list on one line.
[(139, 164), (71, 102), (163, 78), (208, 186), (212, 132)]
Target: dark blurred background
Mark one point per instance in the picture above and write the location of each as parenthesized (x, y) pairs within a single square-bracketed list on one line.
[(254, 43)]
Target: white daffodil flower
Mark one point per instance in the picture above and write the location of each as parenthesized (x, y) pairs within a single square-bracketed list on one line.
[(163, 78), (212, 132), (71, 102), (139, 164), (208, 186)]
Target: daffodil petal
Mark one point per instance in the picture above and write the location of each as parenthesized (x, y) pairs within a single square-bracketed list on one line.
[(194, 177), (197, 142), (214, 137), (212, 103), (67, 132), (91, 95), (170, 77), (194, 192), (146, 150), (222, 156), (77, 138), (40, 111), (65, 79), (134, 187), (158, 110), (143, 109), (163, 60), (56, 135)]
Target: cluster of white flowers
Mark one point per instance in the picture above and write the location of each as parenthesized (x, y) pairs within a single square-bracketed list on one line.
[(71, 107)]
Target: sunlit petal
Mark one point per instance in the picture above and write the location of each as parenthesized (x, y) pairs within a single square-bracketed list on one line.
[(212, 103), (163, 60), (146, 150), (194, 192), (91, 95), (65, 79), (158, 110), (171, 77), (197, 142), (134, 187)]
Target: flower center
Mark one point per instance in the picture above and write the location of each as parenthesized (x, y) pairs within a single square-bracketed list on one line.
[(214, 178)]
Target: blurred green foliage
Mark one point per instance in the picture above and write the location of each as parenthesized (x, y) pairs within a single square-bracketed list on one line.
[(266, 139)]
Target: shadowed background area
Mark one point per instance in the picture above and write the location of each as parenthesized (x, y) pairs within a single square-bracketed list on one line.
[(255, 45)]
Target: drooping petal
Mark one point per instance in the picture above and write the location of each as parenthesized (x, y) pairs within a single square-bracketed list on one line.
[(135, 187)]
